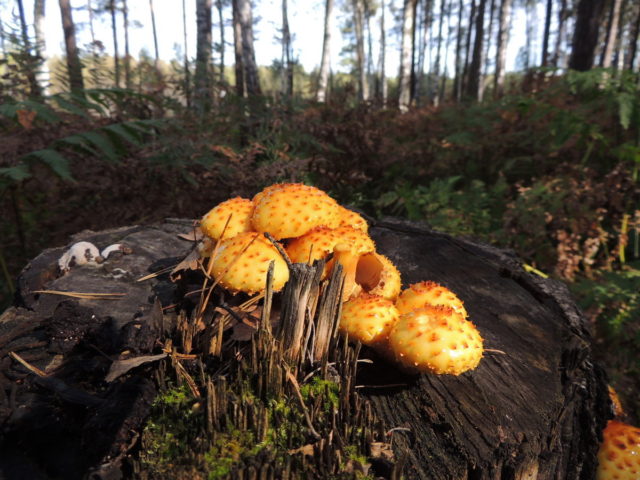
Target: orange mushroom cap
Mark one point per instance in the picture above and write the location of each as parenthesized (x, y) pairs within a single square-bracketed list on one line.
[(378, 276), (368, 318), (619, 453), (241, 263), (436, 339), (349, 218), (291, 210), (237, 211), (429, 293)]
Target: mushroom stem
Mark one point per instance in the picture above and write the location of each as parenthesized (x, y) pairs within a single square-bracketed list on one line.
[(344, 255)]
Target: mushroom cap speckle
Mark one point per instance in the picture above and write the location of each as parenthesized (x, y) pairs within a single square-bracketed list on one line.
[(291, 210), (349, 218), (368, 318), (429, 293), (437, 340), (240, 210), (246, 271), (619, 453)]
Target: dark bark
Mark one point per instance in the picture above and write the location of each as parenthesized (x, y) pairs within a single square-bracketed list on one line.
[(457, 82), (501, 51), (585, 35), (30, 71), (287, 60), (222, 41), (237, 43), (155, 34), (114, 33), (74, 66), (467, 49), (361, 74), (436, 63), (485, 52), (547, 32), (127, 55), (633, 40), (204, 51), (245, 18), (475, 69), (611, 34)]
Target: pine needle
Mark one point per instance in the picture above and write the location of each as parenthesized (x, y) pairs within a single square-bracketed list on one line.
[(84, 295)]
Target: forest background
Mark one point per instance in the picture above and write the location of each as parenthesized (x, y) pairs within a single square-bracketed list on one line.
[(542, 158)]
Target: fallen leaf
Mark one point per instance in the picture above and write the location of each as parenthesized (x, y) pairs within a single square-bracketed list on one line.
[(26, 118), (120, 367)]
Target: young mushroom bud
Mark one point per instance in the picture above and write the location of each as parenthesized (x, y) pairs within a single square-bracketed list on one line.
[(235, 213), (291, 210), (368, 318), (429, 293), (241, 263), (619, 454), (436, 340)]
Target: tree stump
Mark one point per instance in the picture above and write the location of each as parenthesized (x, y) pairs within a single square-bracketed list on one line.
[(533, 409)]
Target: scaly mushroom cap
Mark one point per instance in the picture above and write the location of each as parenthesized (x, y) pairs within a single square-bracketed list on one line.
[(429, 293), (349, 218), (240, 211), (292, 210), (378, 276), (619, 454), (313, 245), (436, 339), (266, 191), (241, 263), (368, 318)]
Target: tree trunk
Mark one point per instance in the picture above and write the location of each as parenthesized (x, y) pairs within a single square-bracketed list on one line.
[(436, 63), (370, 73), (633, 40), (467, 50), (187, 68), (31, 64), (287, 63), (74, 66), (245, 16), (406, 53), (475, 69), (585, 35), (155, 36), (545, 35), (237, 44), (325, 63), (612, 34), (222, 41), (485, 52), (361, 73), (204, 45), (457, 82), (501, 51), (127, 55), (114, 32), (42, 76), (562, 27), (3, 46), (621, 38), (445, 72), (382, 60)]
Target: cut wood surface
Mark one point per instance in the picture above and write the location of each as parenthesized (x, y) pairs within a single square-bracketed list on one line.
[(534, 407)]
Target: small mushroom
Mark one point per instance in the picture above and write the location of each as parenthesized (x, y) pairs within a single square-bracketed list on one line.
[(241, 263), (368, 318), (291, 210), (436, 339), (429, 293), (236, 211), (619, 453)]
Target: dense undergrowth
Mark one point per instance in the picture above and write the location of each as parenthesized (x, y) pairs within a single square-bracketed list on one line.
[(551, 173)]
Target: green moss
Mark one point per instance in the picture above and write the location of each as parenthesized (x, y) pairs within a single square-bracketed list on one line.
[(317, 387)]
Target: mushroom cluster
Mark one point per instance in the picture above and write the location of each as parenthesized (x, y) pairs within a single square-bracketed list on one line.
[(423, 328)]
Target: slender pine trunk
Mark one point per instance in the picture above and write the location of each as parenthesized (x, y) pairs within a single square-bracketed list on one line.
[(287, 63), (237, 44), (358, 20), (585, 34), (252, 81), (31, 65), (457, 81), (74, 66), (475, 69), (633, 40), (323, 77), (42, 75), (612, 33), (222, 40), (155, 35), (187, 68), (204, 45), (501, 49), (562, 28), (406, 53), (467, 50), (127, 55), (114, 32), (382, 62), (436, 66)]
